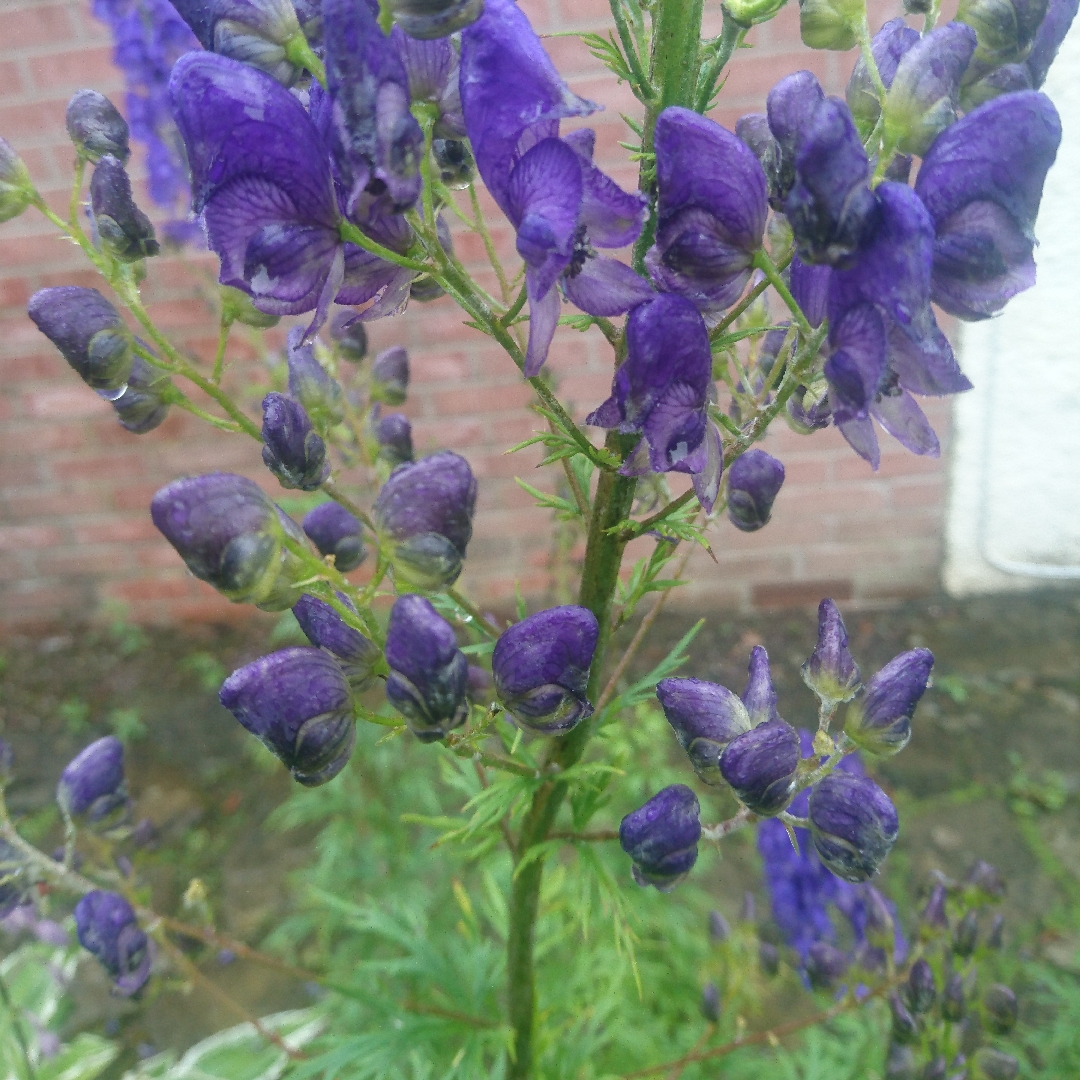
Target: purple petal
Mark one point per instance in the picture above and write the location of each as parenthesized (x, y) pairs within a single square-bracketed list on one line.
[(707, 478), (543, 320), (810, 288), (856, 367), (889, 45), (675, 430), (902, 418), (613, 217), (861, 437), (1051, 33), (605, 287), (791, 105), (927, 366)]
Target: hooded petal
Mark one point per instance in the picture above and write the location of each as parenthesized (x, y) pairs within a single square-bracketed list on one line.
[(857, 365), (705, 717), (543, 320), (810, 288), (899, 414), (1051, 33), (605, 287), (707, 478), (612, 217)]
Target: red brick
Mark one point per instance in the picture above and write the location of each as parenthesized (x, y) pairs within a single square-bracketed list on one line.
[(26, 26), (800, 594)]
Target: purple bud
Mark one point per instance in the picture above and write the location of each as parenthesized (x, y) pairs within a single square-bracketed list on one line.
[(934, 918), (826, 965), (1002, 1009), (107, 928), (759, 696), (456, 165), (334, 531), (96, 127), (428, 19), (831, 671), (705, 717), (991, 1064), (16, 188), (719, 930), (122, 228), (427, 507), (905, 1028), (390, 376), (393, 433), (428, 672), (853, 824), (89, 333), (253, 32), (1048, 39), (311, 385), (356, 655), (936, 1069), (761, 765), (921, 990), (986, 879), (92, 784), (954, 1001), (298, 704), (710, 1003), (900, 1063), (144, 404), (879, 719), (890, 44), (808, 411), (13, 886), (349, 335), (662, 837), (292, 451), (791, 105), (754, 481), (966, 934), (995, 938)]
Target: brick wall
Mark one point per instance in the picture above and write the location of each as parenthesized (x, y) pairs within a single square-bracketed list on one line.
[(75, 534)]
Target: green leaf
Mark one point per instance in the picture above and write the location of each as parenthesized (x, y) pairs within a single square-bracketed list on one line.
[(85, 1057), (565, 509), (644, 688)]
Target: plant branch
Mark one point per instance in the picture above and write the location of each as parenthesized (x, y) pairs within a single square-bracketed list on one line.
[(480, 227)]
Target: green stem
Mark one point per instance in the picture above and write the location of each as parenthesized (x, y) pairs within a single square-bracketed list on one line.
[(76, 191), (772, 275), (643, 89), (480, 225), (299, 52), (731, 37), (352, 235), (515, 307), (222, 345), (173, 395)]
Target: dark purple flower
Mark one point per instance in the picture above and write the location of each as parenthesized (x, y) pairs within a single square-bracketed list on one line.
[(754, 481), (982, 182), (390, 376), (334, 531), (1001, 1007), (662, 391), (393, 433), (432, 70), (986, 880), (790, 108), (711, 210), (428, 672), (1051, 33), (662, 837), (144, 404), (826, 965), (92, 785), (831, 671), (541, 669), (921, 989), (357, 656), (231, 535), (311, 385), (710, 1003), (298, 704), (292, 451), (934, 918), (454, 161), (989, 1064), (954, 1000), (348, 334), (705, 717), (107, 928), (426, 510), (89, 333), (759, 696), (96, 128), (761, 765), (889, 45), (810, 288), (427, 19), (853, 824), (16, 187), (879, 719)]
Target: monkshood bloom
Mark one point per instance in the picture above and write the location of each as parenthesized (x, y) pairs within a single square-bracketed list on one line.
[(432, 70), (541, 669), (705, 717), (349, 336), (310, 383), (120, 226), (754, 481), (889, 45), (982, 182), (1048, 39), (355, 654), (92, 784), (760, 766), (711, 210), (231, 535), (831, 671), (96, 128), (879, 719), (107, 928), (426, 509), (16, 188), (853, 824), (390, 376), (1006, 31), (921, 989), (292, 450), (662, 837), (759, 695), (89, 333), (298, 704), (393, 433), (334, 531), (559, 203), (428, 19), (662, 391), (428, 672)]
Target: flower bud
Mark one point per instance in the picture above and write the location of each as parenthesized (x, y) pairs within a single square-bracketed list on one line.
[(1001, 1008), (966, 934), (662, 837), (889, 45), (953, 1001), (231, 535), (719, 930), (122, 229), (754, 480), (454, 161), (879, 719), (292, 451), (829, 24), (350, 336), (1005, 29), (826, 965), (710, 1003), (237, 307), (768, 958), (934, 919), (424, 289), (390, 376), (92, 785), (808, 410), (705, 718), (761, 765), (759, 696), (334, 531), (255, 32), (356, 655), (921, 989), (900, 1063), (107, 928), (13, 879), (936, 1069), (311, 385), (96, 127), (880, 929), (428, 672), (393, 433), (905, 1028), (89, 333), (995, 939), (749, 12), (994, 1065), (429, 19), (541, 669), (298, 704), (16, 188), (144, 404), (426, 509), (986, 881), (831, 671), (853, 825)]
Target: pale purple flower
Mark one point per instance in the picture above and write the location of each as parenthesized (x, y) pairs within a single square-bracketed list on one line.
[(879, 719), (107, 928)]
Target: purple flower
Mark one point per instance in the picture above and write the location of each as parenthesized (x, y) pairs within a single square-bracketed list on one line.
[(16, 187), (292, 451), (889, 45), (231, 535), (428, 672), (754, 481), (89, 333), (921, 989), (662, 837), (1051, 33), (96, 128), (393, 433), (982, 182), (425, 509), (431, 68), (662, 391), (1002, 1008), (853, 825), (349, 336), (1005, 30), (107, 928), (760, 766), (710, 1003), (298, 704), (831, 671), (759, 696), (334, 531), (790, 107), (92, 785), (825, 965), (541, 669), (995, 1064), (356, 655), (879, 719), (934, 917), (310, 385), (705, 717), (711, 210), (144, 404), (428, 19), (390, 376)]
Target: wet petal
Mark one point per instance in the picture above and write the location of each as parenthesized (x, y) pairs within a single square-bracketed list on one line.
[(901, 417), (606, 287)]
